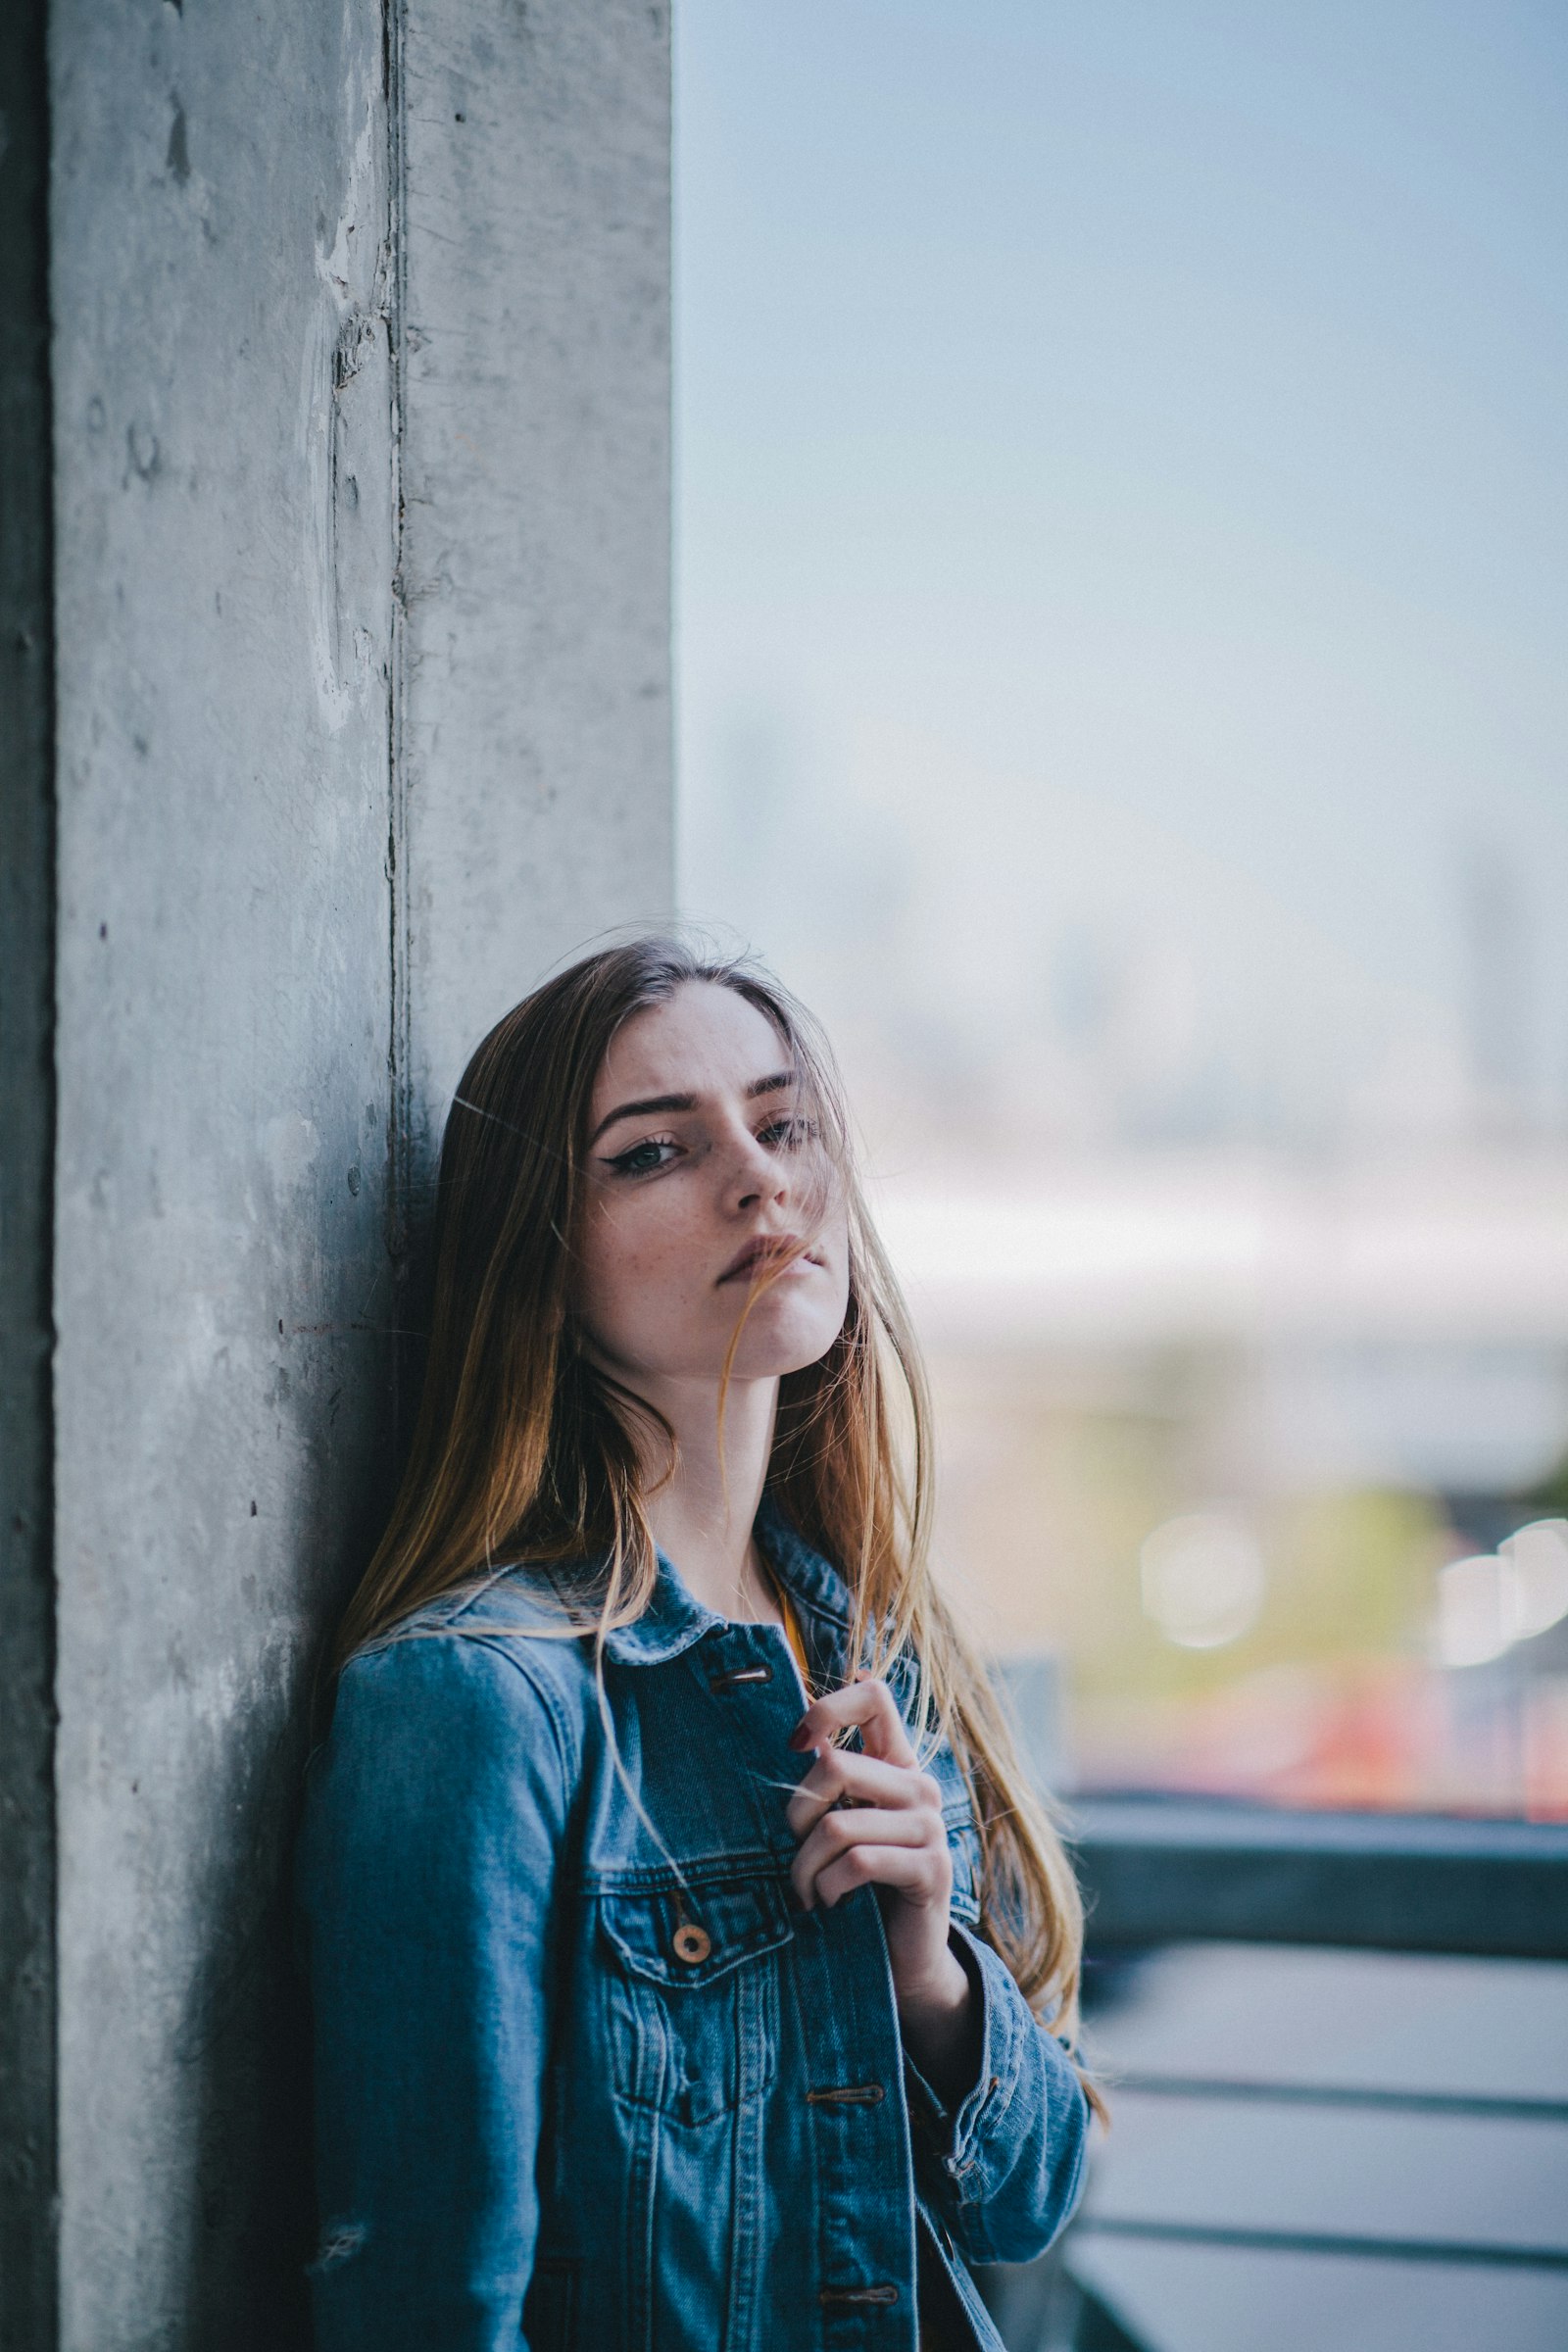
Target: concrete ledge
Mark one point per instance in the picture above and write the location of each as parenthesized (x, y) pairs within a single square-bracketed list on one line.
[(1162, 1870)]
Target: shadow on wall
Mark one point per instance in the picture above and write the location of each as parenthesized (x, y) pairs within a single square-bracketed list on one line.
[(247, 2038)]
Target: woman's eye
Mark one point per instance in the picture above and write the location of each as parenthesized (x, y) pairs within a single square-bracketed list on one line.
[(787, 1134), (643, 1158)]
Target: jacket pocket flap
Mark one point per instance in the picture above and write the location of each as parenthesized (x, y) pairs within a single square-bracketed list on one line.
[(675, 1936)]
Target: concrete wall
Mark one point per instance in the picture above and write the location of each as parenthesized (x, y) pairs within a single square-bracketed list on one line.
[(536, 485), (28, 2102), (361, 577)]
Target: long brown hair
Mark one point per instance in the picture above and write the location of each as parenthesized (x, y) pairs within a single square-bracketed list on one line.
[(523, 1451)]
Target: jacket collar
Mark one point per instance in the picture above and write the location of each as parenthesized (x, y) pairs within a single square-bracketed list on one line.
[(674, 1620), (671, 1622), (810, 1580)]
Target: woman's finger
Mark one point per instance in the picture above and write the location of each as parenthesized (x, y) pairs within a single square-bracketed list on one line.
[(838, 1833), (865, 1703), (840, 1776), (913, 1871)]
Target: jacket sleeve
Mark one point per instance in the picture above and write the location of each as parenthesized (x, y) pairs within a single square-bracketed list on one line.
[(427, 1871), (1005, 2168)]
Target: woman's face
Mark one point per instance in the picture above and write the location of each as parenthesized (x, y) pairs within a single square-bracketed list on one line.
[(699, 1165)]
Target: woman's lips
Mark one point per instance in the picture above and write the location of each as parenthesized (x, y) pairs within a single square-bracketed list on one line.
[(761, 1253)]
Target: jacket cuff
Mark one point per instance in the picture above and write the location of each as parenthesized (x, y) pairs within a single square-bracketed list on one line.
[(1010, 2054), (949, 2133)]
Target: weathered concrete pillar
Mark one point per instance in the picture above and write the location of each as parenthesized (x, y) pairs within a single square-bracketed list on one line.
[(336, 612)]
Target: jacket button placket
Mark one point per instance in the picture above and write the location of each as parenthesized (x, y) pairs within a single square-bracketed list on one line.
[(865, 2260)]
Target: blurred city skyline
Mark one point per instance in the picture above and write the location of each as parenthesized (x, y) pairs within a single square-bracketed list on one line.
[(1121, 502)]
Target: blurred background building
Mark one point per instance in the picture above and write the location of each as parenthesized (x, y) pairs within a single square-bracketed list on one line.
[(1121, 503)]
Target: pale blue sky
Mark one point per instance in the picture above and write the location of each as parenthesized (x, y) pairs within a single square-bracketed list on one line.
[(1123, 479)]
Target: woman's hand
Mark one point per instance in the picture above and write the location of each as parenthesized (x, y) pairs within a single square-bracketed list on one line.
[(875, 1820)]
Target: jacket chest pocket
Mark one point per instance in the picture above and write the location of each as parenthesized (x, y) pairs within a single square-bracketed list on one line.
[(692, 1994)]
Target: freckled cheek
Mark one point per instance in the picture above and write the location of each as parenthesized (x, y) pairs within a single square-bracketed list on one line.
[(636, 1267)]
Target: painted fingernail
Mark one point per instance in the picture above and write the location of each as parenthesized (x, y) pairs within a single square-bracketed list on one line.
[(799, 1737)]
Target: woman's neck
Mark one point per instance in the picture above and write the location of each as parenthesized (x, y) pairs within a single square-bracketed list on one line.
[(702, 1517)]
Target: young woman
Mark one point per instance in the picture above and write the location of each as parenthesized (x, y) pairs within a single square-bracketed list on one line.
[(692, 1969)]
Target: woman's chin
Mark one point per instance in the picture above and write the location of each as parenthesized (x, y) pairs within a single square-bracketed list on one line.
[(785, 1336)]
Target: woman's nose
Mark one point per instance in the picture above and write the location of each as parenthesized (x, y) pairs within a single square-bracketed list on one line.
[(758, 1175)]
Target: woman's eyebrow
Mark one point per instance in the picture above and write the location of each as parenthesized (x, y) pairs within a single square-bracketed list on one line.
[(773, 1084), (638, 1111)]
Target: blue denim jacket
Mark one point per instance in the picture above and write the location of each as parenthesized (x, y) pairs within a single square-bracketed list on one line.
[(545, 2117)]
